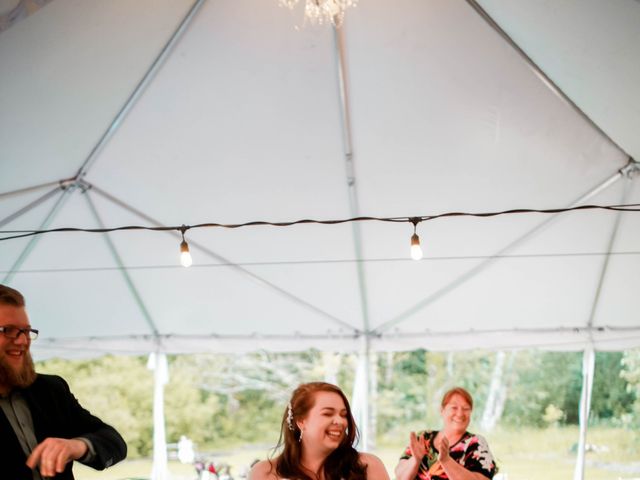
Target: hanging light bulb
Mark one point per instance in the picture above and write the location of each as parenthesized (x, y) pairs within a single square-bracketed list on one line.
[(416, 250), (185, 255)]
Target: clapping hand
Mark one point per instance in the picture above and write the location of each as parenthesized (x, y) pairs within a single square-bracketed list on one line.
[(441, 443), (418, 446)]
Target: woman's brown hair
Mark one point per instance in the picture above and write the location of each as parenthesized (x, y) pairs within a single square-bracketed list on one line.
[(456, 391), (342, 463)]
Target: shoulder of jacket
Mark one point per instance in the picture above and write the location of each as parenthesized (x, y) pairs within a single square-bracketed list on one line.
[(44, 380)]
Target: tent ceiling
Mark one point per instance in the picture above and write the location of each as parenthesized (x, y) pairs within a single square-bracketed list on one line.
[(590, 50), (243, 121)]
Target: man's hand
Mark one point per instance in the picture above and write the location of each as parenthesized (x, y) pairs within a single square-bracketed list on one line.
[(53, 454)]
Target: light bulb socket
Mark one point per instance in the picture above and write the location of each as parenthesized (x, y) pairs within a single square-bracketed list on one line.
[(184, 247), (415, 240)]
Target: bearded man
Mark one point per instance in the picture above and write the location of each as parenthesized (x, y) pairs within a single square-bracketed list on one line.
[(43, 428)]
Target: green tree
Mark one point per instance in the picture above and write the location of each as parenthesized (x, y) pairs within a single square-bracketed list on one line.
[(119, 390), (409, 397), (222, 400), (542, 379), (611, 399), (630, 372), (402, 390)]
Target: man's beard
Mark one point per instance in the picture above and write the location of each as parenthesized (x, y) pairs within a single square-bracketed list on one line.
[(20, 378)]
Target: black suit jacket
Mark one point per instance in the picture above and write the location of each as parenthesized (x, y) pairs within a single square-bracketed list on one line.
[(57, 413)]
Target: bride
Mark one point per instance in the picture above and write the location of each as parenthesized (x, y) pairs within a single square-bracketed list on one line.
[(317, 437)]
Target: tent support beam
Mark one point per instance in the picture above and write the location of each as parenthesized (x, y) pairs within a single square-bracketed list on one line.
[(366, 430), (588, 360), (539, 73), (123, 269), (354, 206), (28, 207), (177, 344), (607, 258), (489, 261), (34, 240), (624, 332), (33, 188), (243, 271), (137, 91)]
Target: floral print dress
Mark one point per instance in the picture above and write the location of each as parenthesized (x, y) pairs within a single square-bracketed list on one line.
[(471, 451)]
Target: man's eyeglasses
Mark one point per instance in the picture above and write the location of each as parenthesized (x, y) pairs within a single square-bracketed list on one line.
[(14, 332)]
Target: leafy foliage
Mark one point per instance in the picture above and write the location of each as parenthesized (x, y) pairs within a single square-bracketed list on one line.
[(544, 379), (222, 400), (117, 389), (631, 374), (611, 398)]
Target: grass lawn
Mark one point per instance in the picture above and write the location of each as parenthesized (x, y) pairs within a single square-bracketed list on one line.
[(524, 454)]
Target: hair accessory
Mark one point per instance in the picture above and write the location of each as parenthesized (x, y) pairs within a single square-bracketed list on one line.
[(290, 416)]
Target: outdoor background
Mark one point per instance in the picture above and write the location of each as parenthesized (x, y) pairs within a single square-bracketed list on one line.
[(231, 406)]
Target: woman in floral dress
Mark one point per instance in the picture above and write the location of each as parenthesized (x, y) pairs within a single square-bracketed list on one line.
[(451, 453)]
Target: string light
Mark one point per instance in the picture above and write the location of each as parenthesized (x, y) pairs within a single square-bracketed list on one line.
[(14, 234), (416, 249), (185, 255)]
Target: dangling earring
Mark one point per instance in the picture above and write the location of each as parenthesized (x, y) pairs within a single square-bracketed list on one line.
[(300, 437)]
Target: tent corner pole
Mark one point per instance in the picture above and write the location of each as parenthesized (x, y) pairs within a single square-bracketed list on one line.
[(158, 363), (588, 367)]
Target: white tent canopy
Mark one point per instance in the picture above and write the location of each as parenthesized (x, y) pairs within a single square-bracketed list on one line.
[(171, 112)]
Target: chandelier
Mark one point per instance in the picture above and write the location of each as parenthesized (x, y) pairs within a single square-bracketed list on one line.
[(321, 11)]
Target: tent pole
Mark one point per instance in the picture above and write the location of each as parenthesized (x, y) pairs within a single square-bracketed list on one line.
[(607, 258), (158, 363), (354, 206), (360, 398), (540, 73), (137, 91), (22, 191), (588, 359), (367, 404), (34, 240), (123, 269), (357, 400), (28, 207), (365, 425), (588, 366), (372, 395)]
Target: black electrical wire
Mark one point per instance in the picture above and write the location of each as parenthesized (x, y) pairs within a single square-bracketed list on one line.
[(14, 234)]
